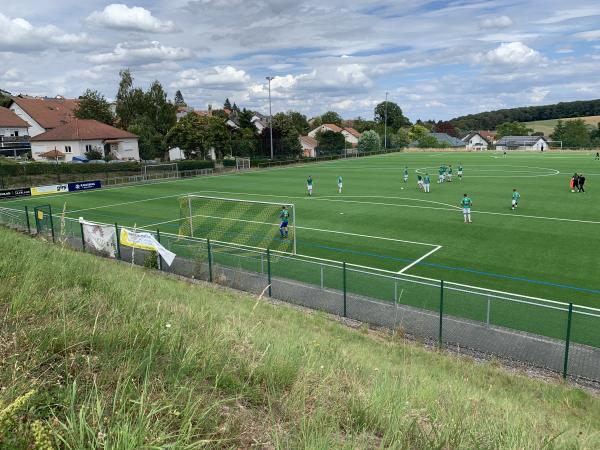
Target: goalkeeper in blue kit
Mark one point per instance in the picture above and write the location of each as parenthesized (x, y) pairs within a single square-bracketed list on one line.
[(284, 215)]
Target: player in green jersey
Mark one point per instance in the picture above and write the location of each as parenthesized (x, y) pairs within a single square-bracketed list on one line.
[(419, 182), (426, 182), (309, 185), (284, 216), (442, 174), (466, 205), (460, 171), (340, 184), (449, 173), (405, 174), (515, 199)]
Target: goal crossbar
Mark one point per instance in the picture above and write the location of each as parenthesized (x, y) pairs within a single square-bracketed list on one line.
[(247, 222)]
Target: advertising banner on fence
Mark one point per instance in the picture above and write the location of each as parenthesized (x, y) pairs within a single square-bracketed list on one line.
[(84, 185), (102, 238), (50, 189), (145, 241), (15, 193)]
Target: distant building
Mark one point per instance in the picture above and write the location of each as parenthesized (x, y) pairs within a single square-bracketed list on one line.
[(176, 154), (14, 138), (309, 145), (522, 143), (260, 122), (350, 134), (80, 136), (444, 138), (43, 114), (479, 140)]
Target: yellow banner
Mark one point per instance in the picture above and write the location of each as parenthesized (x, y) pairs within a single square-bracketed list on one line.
[(134, 241), (51, 189)]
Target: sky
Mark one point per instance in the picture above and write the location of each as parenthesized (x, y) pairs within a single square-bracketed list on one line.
[(436, 59)]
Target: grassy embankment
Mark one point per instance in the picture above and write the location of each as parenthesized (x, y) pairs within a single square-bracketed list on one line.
[(97, 354)]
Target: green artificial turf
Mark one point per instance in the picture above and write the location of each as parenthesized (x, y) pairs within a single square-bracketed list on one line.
[(548, 248)]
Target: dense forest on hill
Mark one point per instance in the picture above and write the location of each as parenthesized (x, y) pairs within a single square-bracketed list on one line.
[(491, 119)]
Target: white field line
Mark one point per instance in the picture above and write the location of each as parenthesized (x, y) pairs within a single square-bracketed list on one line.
[(417, 261), (393, 198), (153, 225)]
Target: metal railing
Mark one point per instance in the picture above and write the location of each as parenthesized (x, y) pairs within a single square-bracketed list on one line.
[(562, 337), (158, 176)]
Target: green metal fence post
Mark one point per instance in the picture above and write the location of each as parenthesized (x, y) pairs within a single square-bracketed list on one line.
[(51, 223), (210, 272), (82, 236), (344, 285), (160, 265), (118, 241), (269, 270), (568, 340), (440, 343), (27, 220)]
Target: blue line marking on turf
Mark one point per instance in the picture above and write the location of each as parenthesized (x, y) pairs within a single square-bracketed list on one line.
[(461, 269)]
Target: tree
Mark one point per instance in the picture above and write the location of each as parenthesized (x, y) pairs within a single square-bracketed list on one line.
[(417, 132), (244, 142), (4, 99), (395, 118), (369, 141), (572, 133), (186, 135), (93, 155), (361, 125), (400, 139), (236, 108), (595, 136), (215, 135), (330, 143), (151, 143), (331, 117), (300, 122), (93, 105), (179, 101), (124, 105), (429, 141), (285, 138), (227, 104), (512, 129), (445, 127), (245, 119)]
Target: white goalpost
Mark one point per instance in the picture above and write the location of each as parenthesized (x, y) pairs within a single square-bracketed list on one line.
[(159, 171), (246, 222), (242, 163)]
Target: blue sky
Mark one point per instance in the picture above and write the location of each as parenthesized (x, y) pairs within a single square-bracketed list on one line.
[(437, 59)]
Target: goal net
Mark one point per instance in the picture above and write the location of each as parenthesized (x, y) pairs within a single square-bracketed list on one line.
[(245, 222), (242, 163), (159, 171)]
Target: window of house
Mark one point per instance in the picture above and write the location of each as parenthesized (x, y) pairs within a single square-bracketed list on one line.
[(67, 149), (88, 148)]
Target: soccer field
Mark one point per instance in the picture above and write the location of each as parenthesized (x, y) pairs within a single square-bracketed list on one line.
[(547, 248)]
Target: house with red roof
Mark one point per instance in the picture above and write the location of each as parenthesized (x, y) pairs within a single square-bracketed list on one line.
[(43, 113), (14, 139), (350, 134), (79, 136)]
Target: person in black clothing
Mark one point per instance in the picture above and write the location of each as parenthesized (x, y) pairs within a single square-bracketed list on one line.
[(580, 182), (597, 158)]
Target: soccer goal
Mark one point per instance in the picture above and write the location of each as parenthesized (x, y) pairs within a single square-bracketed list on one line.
[(160, 171), (242, 163), (245, 222)]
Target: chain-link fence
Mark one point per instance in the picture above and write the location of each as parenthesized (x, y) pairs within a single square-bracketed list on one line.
[(562, 337)]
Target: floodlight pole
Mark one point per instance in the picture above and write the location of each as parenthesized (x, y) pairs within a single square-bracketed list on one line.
[(385, 123), (270, 116)]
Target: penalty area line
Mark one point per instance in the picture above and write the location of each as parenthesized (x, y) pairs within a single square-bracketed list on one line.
[(417, 261)]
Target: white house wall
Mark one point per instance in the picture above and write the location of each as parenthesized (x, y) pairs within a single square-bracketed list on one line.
[(126, 148), (34, 127), (10, 131)]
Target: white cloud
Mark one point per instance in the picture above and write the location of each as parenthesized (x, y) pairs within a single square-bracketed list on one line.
[(592, 35), (513, 54), (141, 53), (538, 94), (495, 22), (20, 35), (121, 17), (217, 77)]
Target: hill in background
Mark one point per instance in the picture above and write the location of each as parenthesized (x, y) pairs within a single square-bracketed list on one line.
[(547, 126), (491, 119)]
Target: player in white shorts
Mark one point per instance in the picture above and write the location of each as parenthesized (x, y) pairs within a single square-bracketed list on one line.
[(405, 174), (460, 170), (309, 185), (466, 205), (340, 184)]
